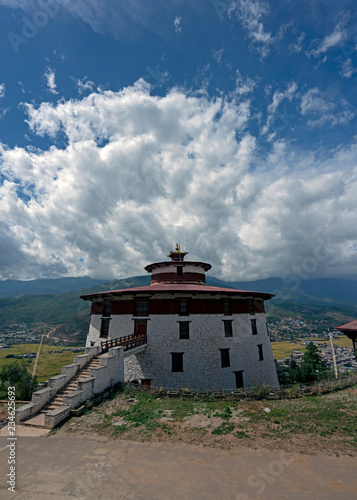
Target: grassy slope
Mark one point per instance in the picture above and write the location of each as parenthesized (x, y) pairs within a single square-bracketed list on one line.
[(310, 424), (49, 364)]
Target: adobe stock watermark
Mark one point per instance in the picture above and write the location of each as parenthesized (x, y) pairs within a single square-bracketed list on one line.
[(267, 475), (11, 440), (157, 74), (350, 47), (222, 8), (98, 474), (278, 123), (47, 9)]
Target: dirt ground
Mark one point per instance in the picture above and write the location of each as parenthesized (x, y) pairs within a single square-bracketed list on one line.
[(182, 458), (198, 429), (86, 469)]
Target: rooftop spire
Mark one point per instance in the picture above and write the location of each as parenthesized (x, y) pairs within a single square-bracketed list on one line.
[(176, 254)]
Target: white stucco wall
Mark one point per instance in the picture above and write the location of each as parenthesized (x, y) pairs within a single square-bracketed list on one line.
[(202, 357), (172, 269)]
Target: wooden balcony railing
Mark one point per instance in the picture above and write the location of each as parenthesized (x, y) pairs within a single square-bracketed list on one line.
[(127, 342)]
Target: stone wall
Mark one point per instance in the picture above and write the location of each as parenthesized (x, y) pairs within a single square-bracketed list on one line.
[(202, 368)]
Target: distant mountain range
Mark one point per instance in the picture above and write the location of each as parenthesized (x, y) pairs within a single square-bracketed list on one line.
[(329, 289), (14, 288), (56, 301)]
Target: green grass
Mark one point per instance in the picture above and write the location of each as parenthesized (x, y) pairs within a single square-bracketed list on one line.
[(224, 428), (49, 364), (284, 348), (328, 420)]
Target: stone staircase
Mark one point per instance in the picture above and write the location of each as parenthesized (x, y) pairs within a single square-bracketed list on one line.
[(100, 368), (72, 385)]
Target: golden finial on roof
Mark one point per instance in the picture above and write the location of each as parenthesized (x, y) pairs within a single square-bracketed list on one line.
[(177, 254)]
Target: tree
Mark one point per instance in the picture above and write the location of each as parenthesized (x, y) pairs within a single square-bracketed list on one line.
[(16, 374), (312, 366), (294, 374)]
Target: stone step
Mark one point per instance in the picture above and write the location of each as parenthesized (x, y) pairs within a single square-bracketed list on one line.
[(37, 421), (72, 386)]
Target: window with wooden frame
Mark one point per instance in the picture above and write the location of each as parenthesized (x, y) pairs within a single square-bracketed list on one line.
[(141, 307), (225, 361), (253, 323), (177, 361), (183, 311), (184, 329), (227, 307), (228, 328)]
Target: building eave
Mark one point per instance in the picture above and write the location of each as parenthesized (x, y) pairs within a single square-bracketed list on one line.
[(177, 288)]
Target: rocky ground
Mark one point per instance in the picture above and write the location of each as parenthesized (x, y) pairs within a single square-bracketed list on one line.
[(322, 424)]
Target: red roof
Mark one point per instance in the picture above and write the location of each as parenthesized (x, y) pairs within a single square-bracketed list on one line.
[(348, 326), (174, 287)]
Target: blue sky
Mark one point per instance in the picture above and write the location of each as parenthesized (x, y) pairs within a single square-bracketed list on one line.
[(228, 125)]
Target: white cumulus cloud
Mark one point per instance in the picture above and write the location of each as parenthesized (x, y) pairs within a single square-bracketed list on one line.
[(50, 77), (140, 170)]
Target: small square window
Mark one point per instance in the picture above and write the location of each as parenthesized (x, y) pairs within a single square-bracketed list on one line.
[(225, 361), (260, 350), (228, 330), (227, 307), (184, 329), (253, 322), (183, 308), (177, 361), (142, 307)]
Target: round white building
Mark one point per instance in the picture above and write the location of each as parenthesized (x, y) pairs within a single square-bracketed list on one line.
[(195, 336)]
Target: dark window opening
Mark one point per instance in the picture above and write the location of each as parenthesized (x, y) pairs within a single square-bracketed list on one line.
[(260, 349), (228, 330), (107, 309), (179, 271), (251, 307), (184, 329), (225, 361), (177, 361), (142, 307), (227, 307), (183, 308), (254, 326), (239, 379), (104, 329)]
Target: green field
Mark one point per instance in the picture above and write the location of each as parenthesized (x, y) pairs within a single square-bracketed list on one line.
[(284, 348), (49, 364)]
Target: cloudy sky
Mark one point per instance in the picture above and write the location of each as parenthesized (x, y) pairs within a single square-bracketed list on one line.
[(127, 125)]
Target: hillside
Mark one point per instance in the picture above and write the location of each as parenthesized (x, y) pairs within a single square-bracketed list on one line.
[(17, 288), (69, 315)]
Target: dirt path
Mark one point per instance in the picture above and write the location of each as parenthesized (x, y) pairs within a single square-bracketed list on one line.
[(60, 468)]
